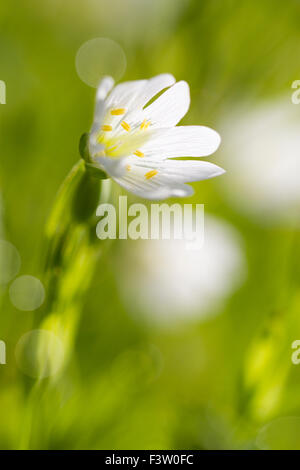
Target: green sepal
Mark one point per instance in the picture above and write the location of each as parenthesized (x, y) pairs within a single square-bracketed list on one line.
[(84, 148), (86, 198), (85, 155), (96, 172)]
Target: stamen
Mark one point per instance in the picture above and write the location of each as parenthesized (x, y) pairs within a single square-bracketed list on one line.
[(125, 126), (113, 148), (128, 167), (145, 124), (138, 153), (150, 174), (117, 112), (106, 127)]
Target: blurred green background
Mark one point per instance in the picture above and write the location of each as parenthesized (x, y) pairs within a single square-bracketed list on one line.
[(223, 380)]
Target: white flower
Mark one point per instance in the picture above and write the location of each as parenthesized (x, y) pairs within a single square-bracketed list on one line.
[(261, 151), (166, 284), (134, 142)]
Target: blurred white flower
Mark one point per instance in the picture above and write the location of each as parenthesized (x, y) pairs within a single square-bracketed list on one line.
[(135, 143), (170, 284), (261, 151)]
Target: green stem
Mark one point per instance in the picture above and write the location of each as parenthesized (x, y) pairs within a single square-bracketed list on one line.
[(73, 251)]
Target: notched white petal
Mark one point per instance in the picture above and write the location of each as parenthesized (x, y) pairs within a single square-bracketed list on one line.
[(170, 107), (154, 86), (182, 141), (188, 171), (104, 87)]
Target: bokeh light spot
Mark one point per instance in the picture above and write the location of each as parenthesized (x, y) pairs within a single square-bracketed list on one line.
[(99, 57), (27, 293)]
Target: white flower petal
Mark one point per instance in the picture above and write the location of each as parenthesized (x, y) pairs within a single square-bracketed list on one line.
[(103, 89), (181, 141), (115, 167), (168, 179), (188, 171), (158, 193), (125, 94), (170, 107), (135, 114), (153, 87), (157, 187)]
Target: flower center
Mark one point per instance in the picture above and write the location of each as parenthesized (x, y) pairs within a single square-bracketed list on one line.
[(115, 142)]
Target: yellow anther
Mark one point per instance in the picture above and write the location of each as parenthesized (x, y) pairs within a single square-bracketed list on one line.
[(117, 112), (125, 126), (150, 174), (138, 153), (145, 124), (106, 127), (112, 149), (128, 167)]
